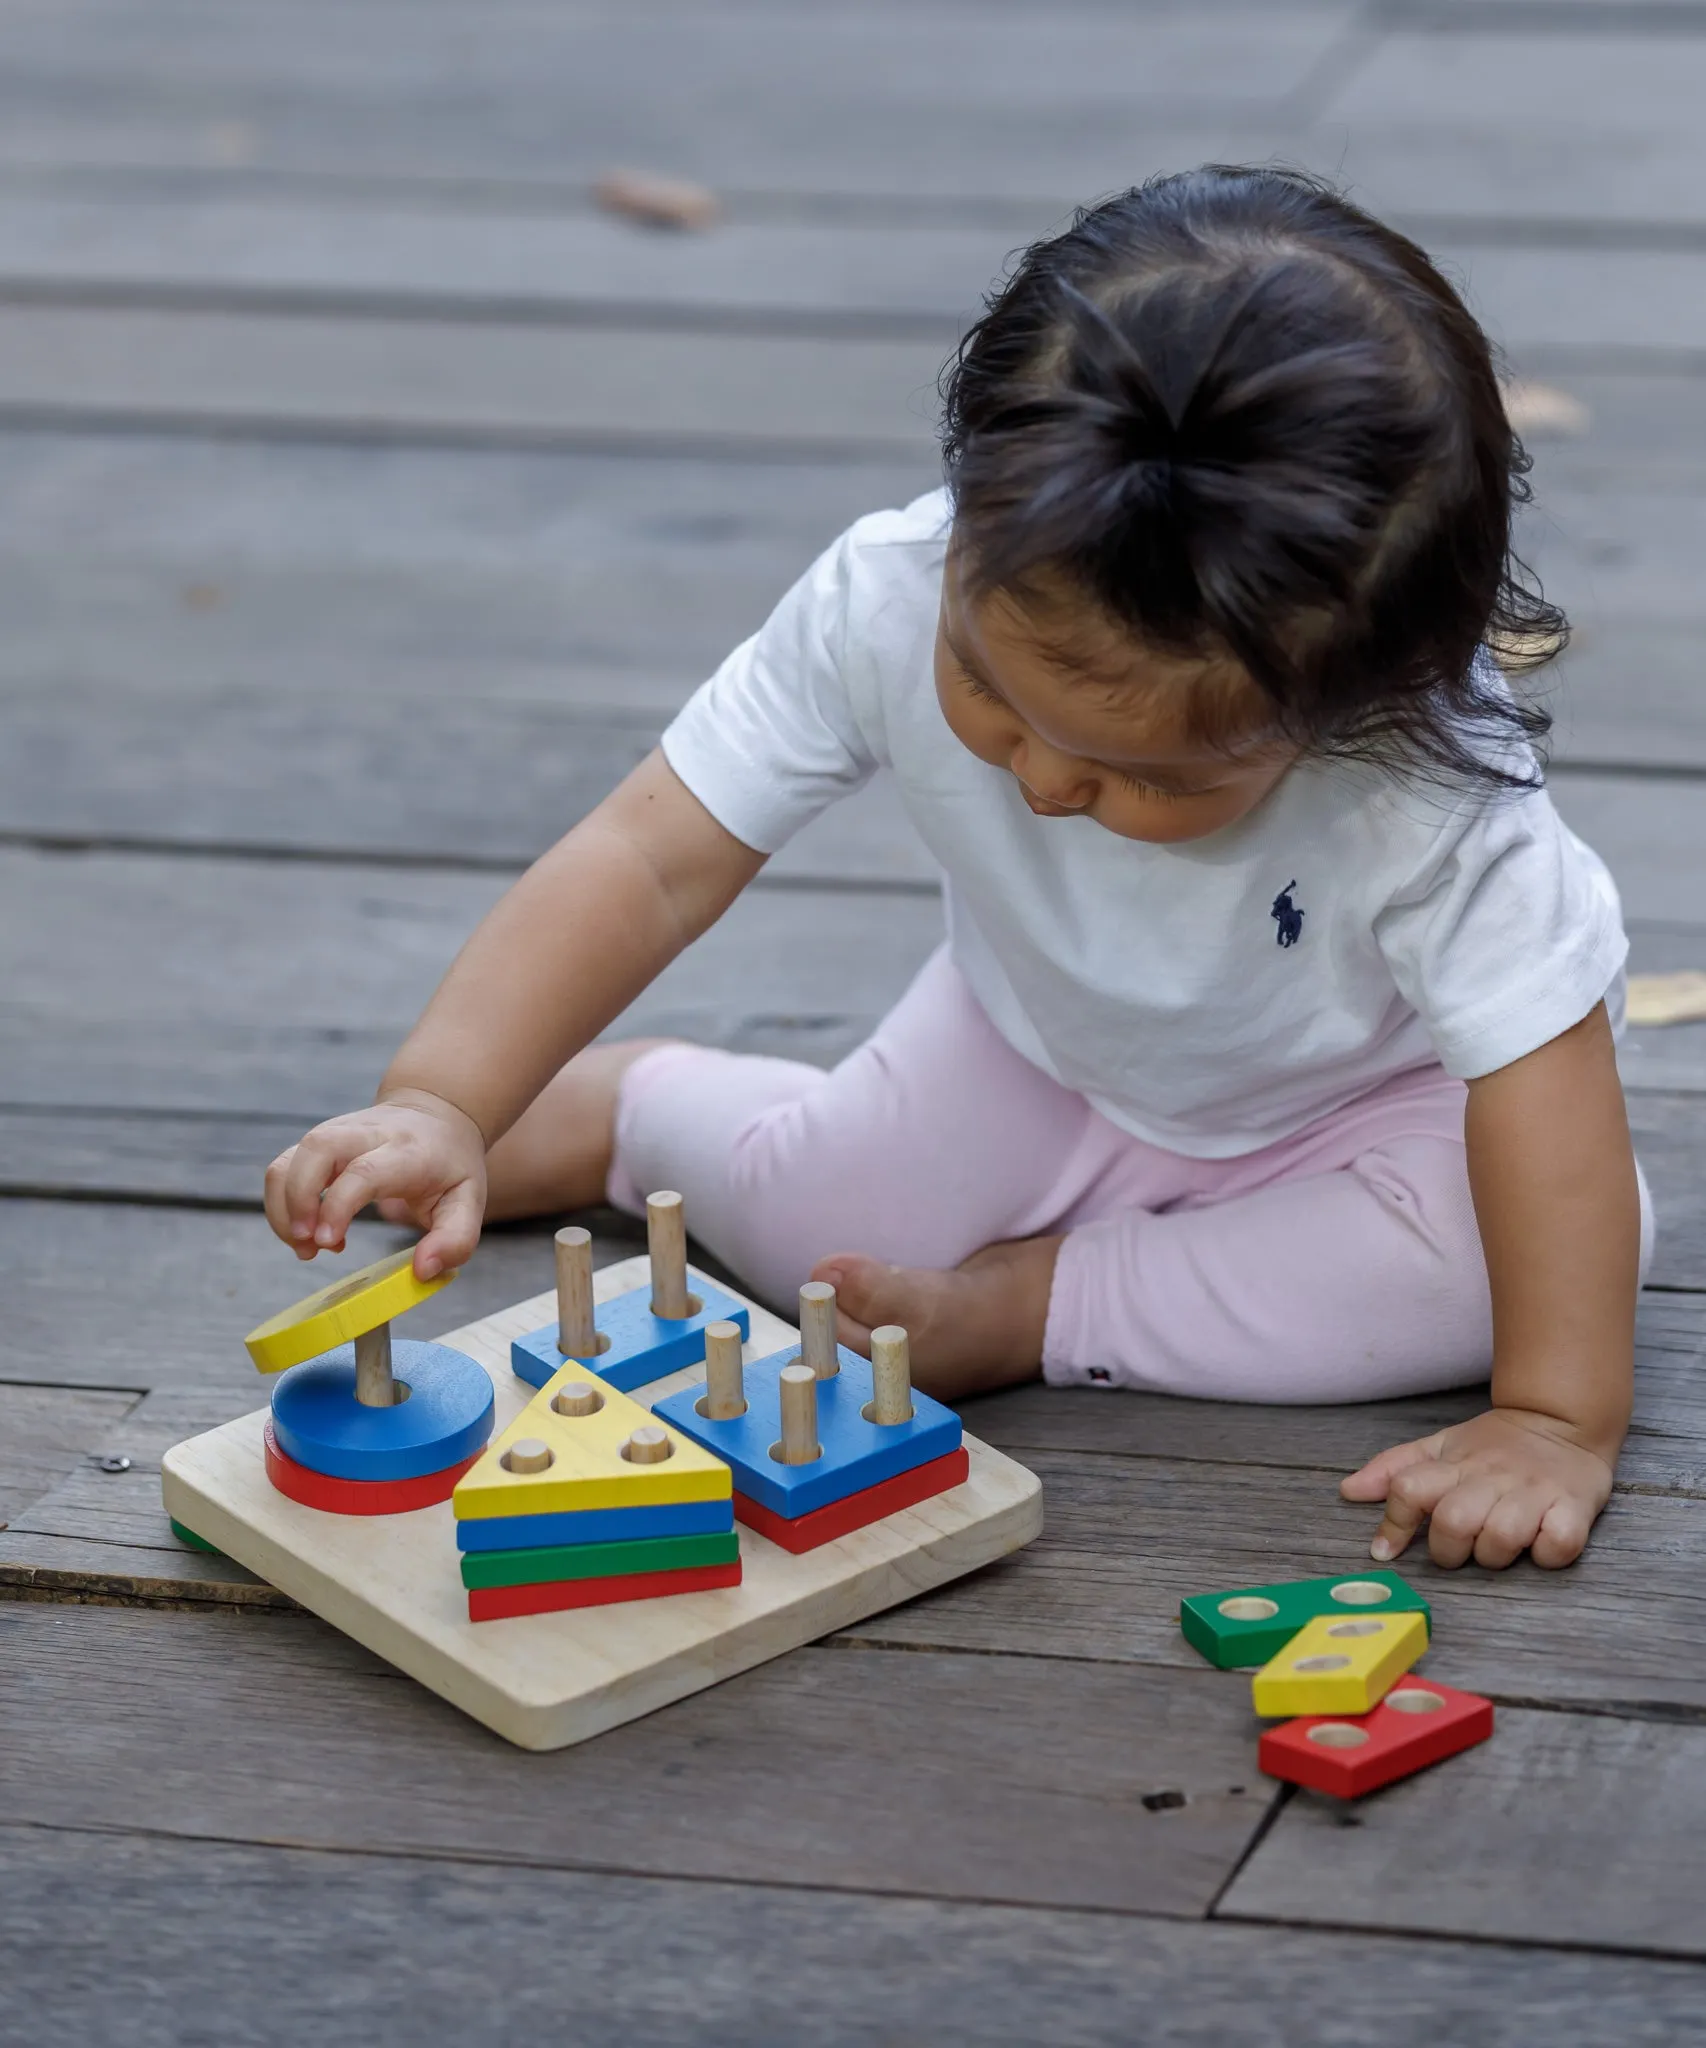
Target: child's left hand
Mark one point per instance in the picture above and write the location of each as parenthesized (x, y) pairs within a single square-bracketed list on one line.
[(1495, 1486)]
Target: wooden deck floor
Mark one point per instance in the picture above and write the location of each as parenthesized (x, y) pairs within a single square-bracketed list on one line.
[(367, 501)]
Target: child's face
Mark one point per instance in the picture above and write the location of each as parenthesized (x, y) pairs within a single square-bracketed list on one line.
[(1111, 745)]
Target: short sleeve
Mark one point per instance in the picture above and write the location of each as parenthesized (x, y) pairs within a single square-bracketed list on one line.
[(771, 740), (1512, 934)]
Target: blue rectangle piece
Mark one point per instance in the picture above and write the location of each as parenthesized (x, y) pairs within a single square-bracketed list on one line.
[(856, 1453), (642, 1346), (596, 1525)]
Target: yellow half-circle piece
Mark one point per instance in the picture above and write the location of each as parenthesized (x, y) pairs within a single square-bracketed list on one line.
[(340, 1313)]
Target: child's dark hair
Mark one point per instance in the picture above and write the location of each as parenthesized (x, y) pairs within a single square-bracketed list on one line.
[(1245, 418)]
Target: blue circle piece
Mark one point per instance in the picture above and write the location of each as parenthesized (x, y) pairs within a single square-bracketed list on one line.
[(447, 1417)]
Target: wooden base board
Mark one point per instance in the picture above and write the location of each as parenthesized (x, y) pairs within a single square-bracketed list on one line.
[(545, 1681)]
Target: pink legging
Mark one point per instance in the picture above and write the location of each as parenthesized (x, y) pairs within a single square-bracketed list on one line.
[(1342, 1264)]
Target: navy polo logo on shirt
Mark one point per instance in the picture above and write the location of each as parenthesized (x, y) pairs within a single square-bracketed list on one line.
[(1287, 916)]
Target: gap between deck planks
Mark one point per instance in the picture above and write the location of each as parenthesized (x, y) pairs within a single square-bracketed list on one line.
[(105, 1938)]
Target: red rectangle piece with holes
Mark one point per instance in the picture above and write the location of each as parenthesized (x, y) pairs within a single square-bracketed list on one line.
[(504, 1603), (800, 1533), (1350, 1754)]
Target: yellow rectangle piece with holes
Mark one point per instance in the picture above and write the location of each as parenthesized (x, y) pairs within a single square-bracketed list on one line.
[(587, 1469), (1340, 1664)]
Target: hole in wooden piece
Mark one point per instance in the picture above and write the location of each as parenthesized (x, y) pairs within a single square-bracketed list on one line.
[(1248, 1607), (527, 1454), (1361, 1593), (578, 1400), (600, 1343), (1357, 1628), (648, 1446), (1415, 1699), (1338, 1735), (1313, 1664)]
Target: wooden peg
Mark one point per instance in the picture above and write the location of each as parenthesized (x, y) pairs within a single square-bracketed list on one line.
[(799, 1445), (527, 1454), (577, 1333), (375, 1385), (666, 1241), (725, 1388), (891, 1377), (577, 1398), (817, 1329), (648, 1445)]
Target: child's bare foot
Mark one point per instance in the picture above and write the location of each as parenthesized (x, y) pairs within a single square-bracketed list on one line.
[(557, 1156), (977, 1327)]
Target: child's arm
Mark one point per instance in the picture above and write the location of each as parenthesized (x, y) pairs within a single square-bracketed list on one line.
[(1553, 1177), (587, 928)]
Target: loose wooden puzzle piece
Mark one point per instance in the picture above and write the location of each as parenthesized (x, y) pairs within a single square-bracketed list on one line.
[(584, 1466), (813, 1426), (556, 1678), (357, 1496), (1252, 1624), (343, 1415), (342, 1311), (1339, 1664), (1418, 1723), (540, 1563), (509, 1603), (598, 1525), (640, 1336)]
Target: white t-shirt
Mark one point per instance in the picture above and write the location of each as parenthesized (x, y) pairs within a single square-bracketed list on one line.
[(1171, 985)]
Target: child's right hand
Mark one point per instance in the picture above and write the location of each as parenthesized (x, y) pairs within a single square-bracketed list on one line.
[(418, 1155)]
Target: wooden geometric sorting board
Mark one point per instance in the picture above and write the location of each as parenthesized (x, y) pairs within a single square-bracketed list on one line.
[(544, 1681)]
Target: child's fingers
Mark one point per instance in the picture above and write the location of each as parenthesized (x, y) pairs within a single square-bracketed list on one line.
[(1563, 1534), (1459, 1517), (1511, 1524), (1373, 1479), (310, 1167), (277, 1205), (455, 1231), (1411, 1497), (360, 1180)]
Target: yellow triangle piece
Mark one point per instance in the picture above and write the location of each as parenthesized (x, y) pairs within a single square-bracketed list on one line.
[(587, 1469), (340, 1313)]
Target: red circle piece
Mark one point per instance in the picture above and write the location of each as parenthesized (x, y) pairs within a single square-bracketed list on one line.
[(359, 1496)]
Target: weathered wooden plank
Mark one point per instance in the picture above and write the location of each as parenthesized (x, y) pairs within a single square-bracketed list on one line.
[(476, 383), (1031, 1791), (410, 575), (107, 1295), (1670, 1139), (1665, 1452), (330, 773), (105, 1938), (159, 983), (1126, 1539), (44, 1433), (1650, 832), (1563, 1828), (216, 245), (749, 96)]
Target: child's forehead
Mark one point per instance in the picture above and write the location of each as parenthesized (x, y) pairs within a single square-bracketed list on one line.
[(1096, 675)]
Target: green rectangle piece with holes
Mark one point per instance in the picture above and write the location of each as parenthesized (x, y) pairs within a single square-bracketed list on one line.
[(1251, 1624), (549, 1564)]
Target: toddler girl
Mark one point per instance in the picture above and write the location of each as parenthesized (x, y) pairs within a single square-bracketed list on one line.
[(1269, 1054)]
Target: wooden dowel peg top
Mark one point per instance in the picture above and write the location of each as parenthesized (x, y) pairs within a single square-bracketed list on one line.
[(666, 1241), (577, 1333), (375, 1386), (817, 1329), (799, 1445), (891, 1377), (648, 1445), (725, 1381)]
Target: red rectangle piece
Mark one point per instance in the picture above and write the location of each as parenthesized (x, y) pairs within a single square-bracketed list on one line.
[(504, 1603), (1418, 1723), (857, 1510)]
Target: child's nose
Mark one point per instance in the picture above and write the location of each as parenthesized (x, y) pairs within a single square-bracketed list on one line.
[(1055, 778)]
